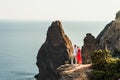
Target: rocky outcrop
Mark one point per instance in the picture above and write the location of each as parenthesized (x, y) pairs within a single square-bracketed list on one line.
[(88, 48), (117, 18), (74, 72), (110, 37), (56, 50)]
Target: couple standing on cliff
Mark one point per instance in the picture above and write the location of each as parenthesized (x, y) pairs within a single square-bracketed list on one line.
[(76, 55)]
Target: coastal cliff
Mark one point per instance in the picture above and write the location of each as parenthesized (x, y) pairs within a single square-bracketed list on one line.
[(55, 51), (110, 37)]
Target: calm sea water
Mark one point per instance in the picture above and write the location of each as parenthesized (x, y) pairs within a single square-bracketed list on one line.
[(21, 40)]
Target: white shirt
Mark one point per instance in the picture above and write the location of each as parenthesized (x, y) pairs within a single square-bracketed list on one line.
[(75, 51)]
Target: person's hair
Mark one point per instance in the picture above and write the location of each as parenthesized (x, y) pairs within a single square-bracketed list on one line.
[(75, 45)]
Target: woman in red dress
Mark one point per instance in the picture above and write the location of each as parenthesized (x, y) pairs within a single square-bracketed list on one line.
[(79, 57)]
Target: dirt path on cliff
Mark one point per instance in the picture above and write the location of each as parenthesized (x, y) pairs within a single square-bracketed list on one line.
[(75, 72), (77, 67)]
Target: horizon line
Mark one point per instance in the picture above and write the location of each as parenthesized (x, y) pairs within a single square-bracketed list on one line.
[(56, 20)]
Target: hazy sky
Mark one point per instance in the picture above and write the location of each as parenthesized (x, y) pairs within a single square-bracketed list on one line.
[(83, 10)]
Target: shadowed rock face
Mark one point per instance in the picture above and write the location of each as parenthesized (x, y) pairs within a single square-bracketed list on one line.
[(110, 37), (88, 48), (56, 50)]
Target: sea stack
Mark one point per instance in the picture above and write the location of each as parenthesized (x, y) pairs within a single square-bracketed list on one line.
[(55, 51), (110, 37), (88, 48)]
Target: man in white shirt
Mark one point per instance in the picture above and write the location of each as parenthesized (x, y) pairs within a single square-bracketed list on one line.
[(74, 55)]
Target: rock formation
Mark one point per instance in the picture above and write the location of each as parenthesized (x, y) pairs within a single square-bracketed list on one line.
[(88, 48), (56, 50), (74, 72), (117, 18), (110, 37)]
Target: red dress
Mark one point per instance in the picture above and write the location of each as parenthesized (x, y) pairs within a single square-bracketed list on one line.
[(79, 58)]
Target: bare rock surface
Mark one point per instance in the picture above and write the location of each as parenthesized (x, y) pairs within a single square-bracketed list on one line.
[(88, 48), (110, 37), (55, 51), (117, 18), (74, 72)]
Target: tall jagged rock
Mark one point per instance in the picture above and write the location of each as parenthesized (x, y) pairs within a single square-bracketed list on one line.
[(88, 48), (56, 50), (110, 37)]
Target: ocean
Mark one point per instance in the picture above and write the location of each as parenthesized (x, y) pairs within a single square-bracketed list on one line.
[(21, 40)]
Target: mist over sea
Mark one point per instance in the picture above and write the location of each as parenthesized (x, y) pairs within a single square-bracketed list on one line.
[(21, 40)]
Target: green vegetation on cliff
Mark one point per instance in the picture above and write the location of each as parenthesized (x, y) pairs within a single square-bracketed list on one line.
[(105, 66)]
